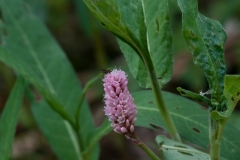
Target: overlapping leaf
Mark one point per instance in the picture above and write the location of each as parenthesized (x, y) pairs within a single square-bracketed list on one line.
[(205, 38), (28, 48), (179, 151), (159, 42), (144, 32), (190, 118)]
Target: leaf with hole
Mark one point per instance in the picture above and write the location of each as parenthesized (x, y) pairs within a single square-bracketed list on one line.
[(205, 38), (179, 151), (190, 118)]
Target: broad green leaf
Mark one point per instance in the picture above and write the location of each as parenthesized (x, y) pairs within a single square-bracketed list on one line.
[(58, 132), (133, 17), (9, 118), (173, 150), (39, 8), (235, 119), (136, 65), (144, 31), (159, 36), (205, 38), (232, 95), (159, 40), (190, 118), (28, 48)]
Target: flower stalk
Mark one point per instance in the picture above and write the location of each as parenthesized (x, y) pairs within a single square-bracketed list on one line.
[(148, 151), (81, 98)]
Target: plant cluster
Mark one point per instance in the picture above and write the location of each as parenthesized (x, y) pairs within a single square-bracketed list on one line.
[(144, 34)]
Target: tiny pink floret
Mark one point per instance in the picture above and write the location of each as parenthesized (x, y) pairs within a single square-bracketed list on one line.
[(119, 104)]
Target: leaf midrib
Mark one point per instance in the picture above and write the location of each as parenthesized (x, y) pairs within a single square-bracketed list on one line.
[(39, 66), (215, 73), (31, 50), (154, 109)]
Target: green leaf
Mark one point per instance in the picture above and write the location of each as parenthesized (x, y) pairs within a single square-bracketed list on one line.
[(145, 35), (58, 132), (205, 38), (159, 42), (136, 65), (39, 8), (28, 48), (107, 12), (232, 95), (9, 118), (159, 37), (190, 118), (235, 119), (199, 97), (173, 150)]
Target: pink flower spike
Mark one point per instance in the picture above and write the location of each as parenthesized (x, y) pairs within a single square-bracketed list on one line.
[(119, 104)]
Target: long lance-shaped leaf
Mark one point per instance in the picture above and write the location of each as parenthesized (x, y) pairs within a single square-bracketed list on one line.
[(28, 48), (9, 118), (205, 38)]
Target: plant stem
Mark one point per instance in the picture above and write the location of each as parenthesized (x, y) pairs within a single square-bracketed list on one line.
[(147, 150), (96, 137), (215, 134), (160, 102), (81, 98), (80, 103)]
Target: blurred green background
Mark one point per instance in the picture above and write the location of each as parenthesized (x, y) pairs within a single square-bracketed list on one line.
[(91, 48)]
